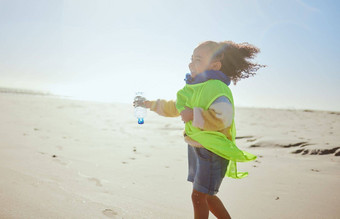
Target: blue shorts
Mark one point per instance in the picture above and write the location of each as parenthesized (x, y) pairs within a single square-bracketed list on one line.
[(206, 170)]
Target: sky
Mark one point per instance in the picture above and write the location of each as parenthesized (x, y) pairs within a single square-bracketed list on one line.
[(106, 50)]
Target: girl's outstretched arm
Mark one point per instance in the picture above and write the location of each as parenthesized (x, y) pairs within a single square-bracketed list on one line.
[(163, 107)]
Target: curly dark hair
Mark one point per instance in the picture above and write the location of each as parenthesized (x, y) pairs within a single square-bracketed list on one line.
[(235, 58)]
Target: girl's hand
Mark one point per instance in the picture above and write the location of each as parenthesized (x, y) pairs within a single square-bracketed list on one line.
[(187, 115), (146, 104)]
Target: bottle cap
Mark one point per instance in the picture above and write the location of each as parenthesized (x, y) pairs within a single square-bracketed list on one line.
[(140, 121)]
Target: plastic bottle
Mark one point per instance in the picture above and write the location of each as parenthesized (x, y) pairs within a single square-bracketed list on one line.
[(140, 110)]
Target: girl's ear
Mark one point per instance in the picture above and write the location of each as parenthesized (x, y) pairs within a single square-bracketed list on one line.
[(216, 66)]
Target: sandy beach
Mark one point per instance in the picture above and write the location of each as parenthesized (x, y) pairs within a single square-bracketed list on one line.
[(63, 158)]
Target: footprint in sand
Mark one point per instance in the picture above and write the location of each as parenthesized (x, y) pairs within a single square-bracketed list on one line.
[(110, 213), (97, 181), (93, 179)]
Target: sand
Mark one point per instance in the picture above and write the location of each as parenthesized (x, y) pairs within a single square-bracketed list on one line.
[(63, 158)]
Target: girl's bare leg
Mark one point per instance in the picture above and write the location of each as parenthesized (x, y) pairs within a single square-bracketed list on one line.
[(199, 201), (217, 208)]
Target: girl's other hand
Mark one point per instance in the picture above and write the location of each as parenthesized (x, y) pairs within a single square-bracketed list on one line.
[(187, 115)]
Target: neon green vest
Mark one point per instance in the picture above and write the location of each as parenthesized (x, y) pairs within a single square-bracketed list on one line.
[(203, 95)]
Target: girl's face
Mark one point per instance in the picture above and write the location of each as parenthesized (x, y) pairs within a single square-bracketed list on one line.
[(201, 61)]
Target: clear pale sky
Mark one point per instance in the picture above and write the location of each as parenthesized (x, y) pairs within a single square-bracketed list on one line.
[(108, 50)]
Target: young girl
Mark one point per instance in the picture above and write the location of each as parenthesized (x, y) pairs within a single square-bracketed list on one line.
[(206, 106)]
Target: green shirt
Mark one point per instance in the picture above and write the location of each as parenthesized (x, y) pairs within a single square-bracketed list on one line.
[(202, 95)]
